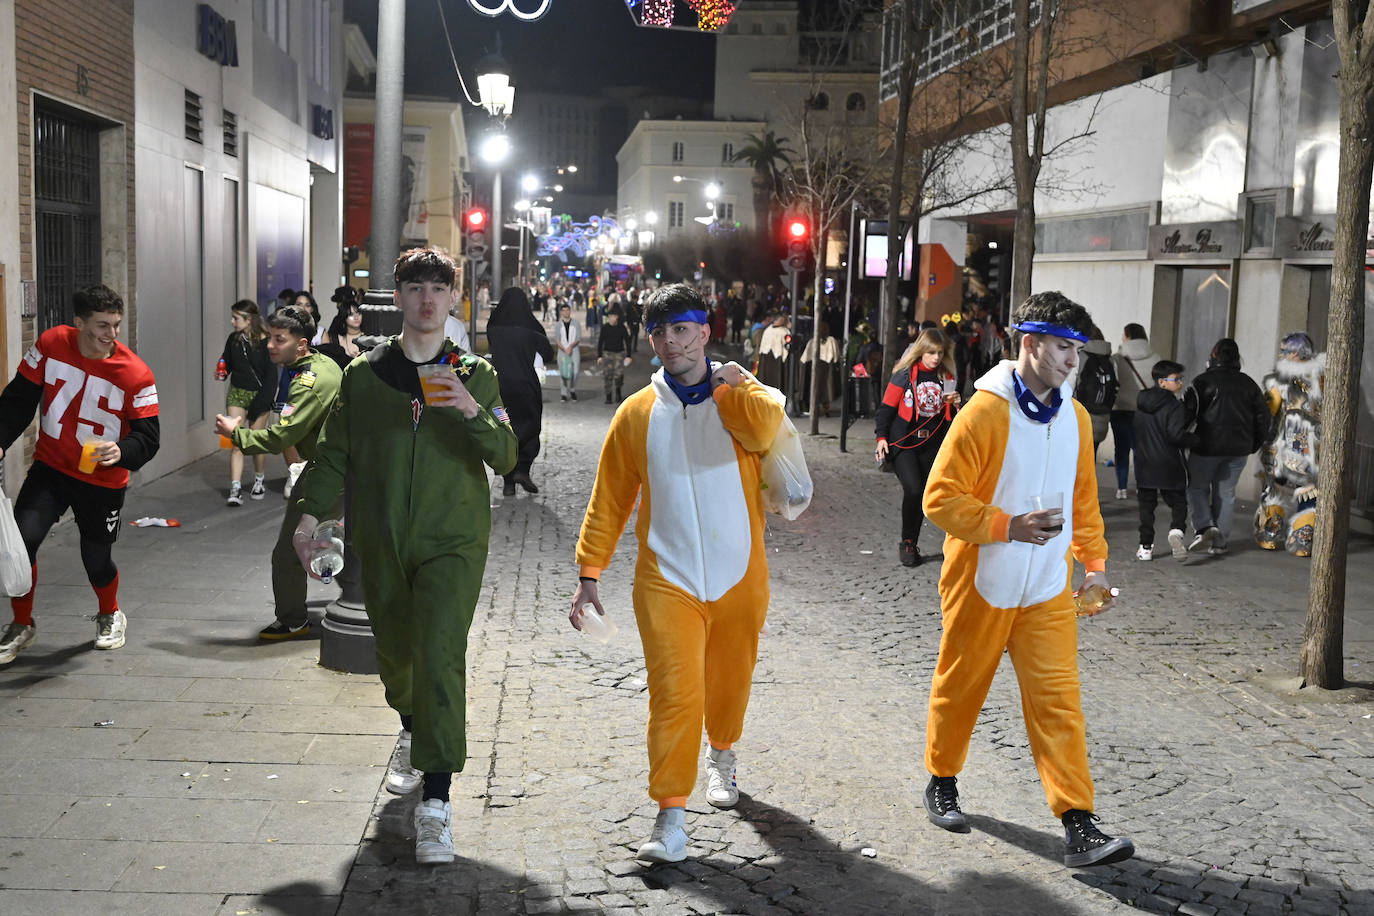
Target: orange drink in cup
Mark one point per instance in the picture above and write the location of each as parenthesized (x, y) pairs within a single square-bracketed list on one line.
[(429, 375), (226, 442), (88, 460)]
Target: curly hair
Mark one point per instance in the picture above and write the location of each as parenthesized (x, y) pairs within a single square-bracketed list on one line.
[(425, 265), (1052, 307)]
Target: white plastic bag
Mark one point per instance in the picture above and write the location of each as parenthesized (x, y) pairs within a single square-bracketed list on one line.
[(787, 487), (16, 574)]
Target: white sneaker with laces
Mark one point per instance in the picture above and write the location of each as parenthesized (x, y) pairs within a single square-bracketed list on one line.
[(1204, 540), (109, 630), (259, 489), (1144, 553), (17, 636), (1176, 545), (235, 494), (1120, 494), (293, 474), (668, 842), (433, 835), (721, 790), (401, 777)]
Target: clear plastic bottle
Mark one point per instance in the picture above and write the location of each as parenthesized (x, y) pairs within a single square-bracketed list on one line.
[(326, 560), (1089, 601), (597, 626)]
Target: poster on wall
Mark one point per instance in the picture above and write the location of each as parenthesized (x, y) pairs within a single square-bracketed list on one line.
[(415, 184), (357, 184), (278, 221)]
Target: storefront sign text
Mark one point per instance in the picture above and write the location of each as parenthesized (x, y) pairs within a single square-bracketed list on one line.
[(216, 37)]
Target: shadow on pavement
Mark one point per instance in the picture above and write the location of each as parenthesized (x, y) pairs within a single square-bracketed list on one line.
[(820, 876), (49, 665), (1160, 886)]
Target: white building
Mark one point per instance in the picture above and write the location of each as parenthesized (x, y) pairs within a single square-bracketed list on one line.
[(238, 110), (669, 168)]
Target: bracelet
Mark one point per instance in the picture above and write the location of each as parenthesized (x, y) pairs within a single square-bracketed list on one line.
[(586, 579)]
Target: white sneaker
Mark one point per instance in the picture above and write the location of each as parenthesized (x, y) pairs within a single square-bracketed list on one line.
[(721, 790), (1204, 539), (433, 836), (109, 630), (1144, 553), (668, 842), (1176, 545), (16, 637), (293, 474), (1120, 494), (235, 494), (259, 489), (401, 777)]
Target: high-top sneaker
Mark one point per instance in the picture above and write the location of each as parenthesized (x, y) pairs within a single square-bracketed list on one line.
[(721, 790), (668, 842), (942, 804), (1084, 844)]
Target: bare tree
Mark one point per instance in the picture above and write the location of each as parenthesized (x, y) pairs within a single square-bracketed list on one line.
[(1323, 636)]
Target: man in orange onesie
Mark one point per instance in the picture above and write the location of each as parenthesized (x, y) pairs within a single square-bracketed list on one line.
[(1007, 576), (688, 447)]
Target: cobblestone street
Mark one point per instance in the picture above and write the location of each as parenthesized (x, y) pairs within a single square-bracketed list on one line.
[(1240, 795)]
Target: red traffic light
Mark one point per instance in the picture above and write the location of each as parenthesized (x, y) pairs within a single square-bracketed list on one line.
[(476, 218), (796, 229)]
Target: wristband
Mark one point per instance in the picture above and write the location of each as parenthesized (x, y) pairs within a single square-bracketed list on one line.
[(586, 579)]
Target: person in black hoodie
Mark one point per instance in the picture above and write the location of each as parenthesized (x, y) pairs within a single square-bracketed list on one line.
[(514, 336), (911, 422), (1233, 422), (1161, 468)]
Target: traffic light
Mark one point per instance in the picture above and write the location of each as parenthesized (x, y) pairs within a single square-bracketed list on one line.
[(475, 222), (798, 242)]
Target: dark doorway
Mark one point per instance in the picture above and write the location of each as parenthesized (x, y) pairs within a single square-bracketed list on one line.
[(66, 154)]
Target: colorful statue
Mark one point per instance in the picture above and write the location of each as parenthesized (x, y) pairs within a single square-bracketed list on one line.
[(1288, 501)]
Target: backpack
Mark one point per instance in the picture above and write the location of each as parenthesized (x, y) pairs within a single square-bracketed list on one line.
[(1097, 384)]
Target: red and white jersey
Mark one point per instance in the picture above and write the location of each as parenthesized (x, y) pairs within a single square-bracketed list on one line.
[(86, 399)]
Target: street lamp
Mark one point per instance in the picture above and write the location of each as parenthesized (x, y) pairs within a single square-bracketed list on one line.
[(497, 96)]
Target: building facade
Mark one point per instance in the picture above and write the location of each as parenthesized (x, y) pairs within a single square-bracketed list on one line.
[(1200, 200), (238, 112), (66, 170)]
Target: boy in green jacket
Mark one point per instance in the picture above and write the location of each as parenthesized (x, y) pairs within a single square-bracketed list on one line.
[(424, 523), (314, 383)]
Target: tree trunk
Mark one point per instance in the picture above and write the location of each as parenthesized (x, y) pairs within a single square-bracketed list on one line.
[(813, 399), (1025, 169), (762, 185), (1321, 660)]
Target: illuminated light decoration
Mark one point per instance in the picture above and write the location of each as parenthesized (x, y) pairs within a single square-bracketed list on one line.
[(579, 239), (494, 8), (658, 12), (712, 14)]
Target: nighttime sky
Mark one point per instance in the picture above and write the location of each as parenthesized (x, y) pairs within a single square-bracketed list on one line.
[(580, 46)]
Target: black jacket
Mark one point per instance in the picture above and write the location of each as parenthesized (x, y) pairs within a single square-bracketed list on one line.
[(1232, 416), (1161, 435)]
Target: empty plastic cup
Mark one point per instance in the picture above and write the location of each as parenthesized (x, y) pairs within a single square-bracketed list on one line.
[(597, 626)]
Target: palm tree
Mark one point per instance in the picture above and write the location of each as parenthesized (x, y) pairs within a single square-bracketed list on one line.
[(766, 154)]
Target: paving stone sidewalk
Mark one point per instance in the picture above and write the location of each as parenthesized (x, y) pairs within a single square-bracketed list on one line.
[(239, 778)]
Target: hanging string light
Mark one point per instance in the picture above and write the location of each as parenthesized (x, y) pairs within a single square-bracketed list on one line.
[(494, 8), (658, 12)]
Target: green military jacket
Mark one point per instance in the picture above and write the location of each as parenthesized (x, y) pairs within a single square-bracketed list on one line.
[(416, 472), (314, 386)]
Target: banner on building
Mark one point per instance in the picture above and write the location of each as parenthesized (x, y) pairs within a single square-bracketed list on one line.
[(357, 184)]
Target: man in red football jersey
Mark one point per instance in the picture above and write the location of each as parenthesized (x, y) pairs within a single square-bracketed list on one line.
[(97, 406)]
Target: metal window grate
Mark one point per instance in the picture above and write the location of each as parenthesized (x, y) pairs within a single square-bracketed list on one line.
[(194, 131), (231, 133), (67, 217), (67, 157)]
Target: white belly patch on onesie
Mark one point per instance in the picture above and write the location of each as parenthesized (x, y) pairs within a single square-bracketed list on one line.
[(699, 526)]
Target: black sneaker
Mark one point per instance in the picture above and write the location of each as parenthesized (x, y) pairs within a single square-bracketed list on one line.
[(942, 804), (278, 630), (908, 553), (508, 488), (1084, 844)]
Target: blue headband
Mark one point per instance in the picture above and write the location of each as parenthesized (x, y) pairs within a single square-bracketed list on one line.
[(1054, 330), (696, 316)]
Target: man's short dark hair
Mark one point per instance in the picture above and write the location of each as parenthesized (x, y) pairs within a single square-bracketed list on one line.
[(670, 300), (1226, 353), (295, 320), (98, 298), (1165, 368), (1135, 332), (425, 265), (1053, 308)]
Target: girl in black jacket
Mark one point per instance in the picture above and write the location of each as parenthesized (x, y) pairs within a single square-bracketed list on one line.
[(251, 384), (911, 422)]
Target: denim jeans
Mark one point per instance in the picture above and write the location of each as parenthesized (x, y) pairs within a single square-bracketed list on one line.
[(1123, 439), (1212, 483)]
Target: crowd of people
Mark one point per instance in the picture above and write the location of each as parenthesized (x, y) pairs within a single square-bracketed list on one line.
[(992, 434)]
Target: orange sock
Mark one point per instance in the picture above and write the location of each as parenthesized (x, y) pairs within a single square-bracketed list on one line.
[(108, 595), (23, 605)]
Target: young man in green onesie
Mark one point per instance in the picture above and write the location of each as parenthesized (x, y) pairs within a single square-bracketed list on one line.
[(312, 381), (423, 511)]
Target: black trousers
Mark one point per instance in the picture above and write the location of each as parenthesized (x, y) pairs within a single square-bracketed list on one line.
[(525, 404), (912, 467), (1148, 497), (47, 493)]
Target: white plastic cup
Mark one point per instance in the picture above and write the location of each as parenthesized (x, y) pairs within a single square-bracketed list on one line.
[(597, 626)]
